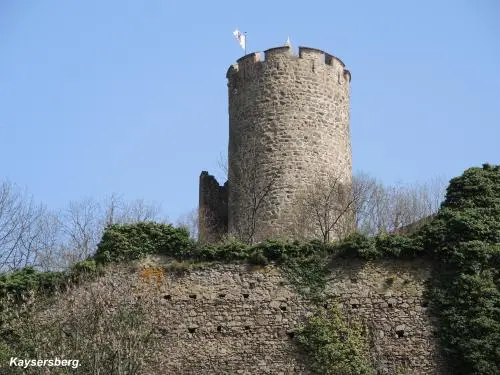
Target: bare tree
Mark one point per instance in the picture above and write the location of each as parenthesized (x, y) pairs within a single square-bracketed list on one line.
[(81, 228), (20, 229), (222, 164), (117, 211), (327, 209), (189, 221), (392, 208)]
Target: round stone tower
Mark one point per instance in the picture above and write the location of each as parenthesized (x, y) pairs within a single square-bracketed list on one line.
[(288, 126)]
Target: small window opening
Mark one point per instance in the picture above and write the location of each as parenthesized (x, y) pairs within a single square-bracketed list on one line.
[(400, 333), (193, 296), (355, 305), (219, 328), (246, 295), (192, 330), (283, 308), (247, 328), (222, 295), (168, 297), (291, 334)]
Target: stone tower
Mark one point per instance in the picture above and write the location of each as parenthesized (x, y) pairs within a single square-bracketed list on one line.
[(288, 126)]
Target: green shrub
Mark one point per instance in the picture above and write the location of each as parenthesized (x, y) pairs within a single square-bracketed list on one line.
[(227, 249), (123, 242), (334, 345), (398, 246), (358, 245), (21, 282)]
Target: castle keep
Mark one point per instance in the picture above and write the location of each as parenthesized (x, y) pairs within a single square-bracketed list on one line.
[(288, 127)]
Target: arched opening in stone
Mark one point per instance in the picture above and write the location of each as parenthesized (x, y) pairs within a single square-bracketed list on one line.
[(219, 328), (283, 308)]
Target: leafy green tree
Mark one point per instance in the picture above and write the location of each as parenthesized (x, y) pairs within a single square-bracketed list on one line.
[(465, 290)]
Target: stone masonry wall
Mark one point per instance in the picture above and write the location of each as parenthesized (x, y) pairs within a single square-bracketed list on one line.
[(238, 319), (289, 125), (212, 209)]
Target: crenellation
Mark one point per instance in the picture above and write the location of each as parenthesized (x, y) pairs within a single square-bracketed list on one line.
[(314, 54), (273, 54)]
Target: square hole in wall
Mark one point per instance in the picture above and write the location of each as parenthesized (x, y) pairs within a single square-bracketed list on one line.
[(246, 295), (168, 297), (192, 296)]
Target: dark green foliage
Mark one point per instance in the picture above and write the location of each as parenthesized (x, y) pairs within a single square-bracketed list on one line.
[(465, 290), (385, 245), (394, 245), (268, 251), (123, 242), (335, 345), (21, 282), (358, 245), (227, 249)]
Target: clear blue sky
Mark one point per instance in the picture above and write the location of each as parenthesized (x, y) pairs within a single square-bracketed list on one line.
[(130, 96)]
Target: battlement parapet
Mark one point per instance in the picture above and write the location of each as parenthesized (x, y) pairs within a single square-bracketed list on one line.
[(284, 53)]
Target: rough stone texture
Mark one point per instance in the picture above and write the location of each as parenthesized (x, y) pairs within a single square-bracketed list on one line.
[(212, 209), (388, 295), (289, 125), (295, 110), (235, 319)]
